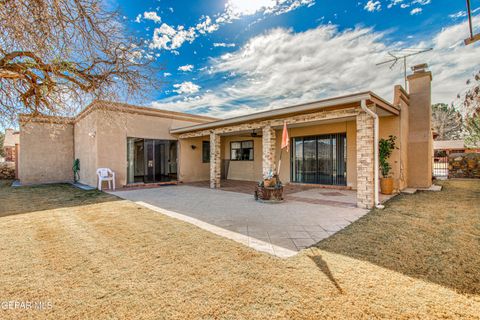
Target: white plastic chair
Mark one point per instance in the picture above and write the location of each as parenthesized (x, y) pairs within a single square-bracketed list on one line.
[(106, 174)]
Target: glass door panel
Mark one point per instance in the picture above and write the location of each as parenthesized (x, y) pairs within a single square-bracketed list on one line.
[(297, 161), (149, 161), (324, 160), (172, 160), (310, 160), (320, 159)]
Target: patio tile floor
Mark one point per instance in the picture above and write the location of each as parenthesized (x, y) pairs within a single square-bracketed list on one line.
[(280, 229)]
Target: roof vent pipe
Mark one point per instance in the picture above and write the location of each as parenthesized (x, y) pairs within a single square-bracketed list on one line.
[(363, 104)]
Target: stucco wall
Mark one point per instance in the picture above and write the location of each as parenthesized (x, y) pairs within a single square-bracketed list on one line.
[(420, 144), (47, 153), (391, 126), (191, 166), (86, 148), (112, 130), (243, 170)]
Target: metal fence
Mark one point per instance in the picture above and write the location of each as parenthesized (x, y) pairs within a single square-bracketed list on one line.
[(440, 167)]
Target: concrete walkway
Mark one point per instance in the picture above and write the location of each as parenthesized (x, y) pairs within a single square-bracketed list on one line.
[(280, 229)]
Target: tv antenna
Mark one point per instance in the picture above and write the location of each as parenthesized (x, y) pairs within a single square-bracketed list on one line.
[(473, 37), (402, 55)]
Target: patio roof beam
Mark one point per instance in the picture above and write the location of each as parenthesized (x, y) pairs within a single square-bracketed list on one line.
[(302, 118)]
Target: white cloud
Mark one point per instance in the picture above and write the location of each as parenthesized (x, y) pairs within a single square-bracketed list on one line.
[(416, 11), (186, 68), (394, 3), (406, 4), (462, 14), (170, 38), (372, 6), (459, 14), (138, 19), (421, 2), (206, 25), (167, 74), (186, 87), (224, 45), (281, 68), (249, 7), (152, 15)]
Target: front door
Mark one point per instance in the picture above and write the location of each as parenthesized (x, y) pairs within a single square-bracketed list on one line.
[(320, 159)]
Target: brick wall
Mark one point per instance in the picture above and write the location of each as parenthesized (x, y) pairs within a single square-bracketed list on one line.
[(365, 161), (268, 146), (215, 161)]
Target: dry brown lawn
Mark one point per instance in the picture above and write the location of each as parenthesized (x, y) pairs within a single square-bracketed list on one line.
[(94, 257)]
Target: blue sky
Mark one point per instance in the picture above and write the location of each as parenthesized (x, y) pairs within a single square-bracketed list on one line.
[(232, 57)]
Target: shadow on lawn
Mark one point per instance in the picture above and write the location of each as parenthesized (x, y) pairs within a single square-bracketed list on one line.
[(323, 266), (46, 197), (434, 236)]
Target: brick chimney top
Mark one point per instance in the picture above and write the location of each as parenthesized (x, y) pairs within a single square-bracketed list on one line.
[(420, 71), (419, 68)]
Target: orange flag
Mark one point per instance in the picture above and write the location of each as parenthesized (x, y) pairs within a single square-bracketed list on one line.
[(285, 139)]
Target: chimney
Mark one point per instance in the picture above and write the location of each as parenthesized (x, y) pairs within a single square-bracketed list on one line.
[(420, 139)]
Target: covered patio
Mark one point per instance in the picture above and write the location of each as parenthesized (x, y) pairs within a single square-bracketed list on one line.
[(332, 144)]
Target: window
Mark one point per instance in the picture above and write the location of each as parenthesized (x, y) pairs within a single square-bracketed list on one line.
[(205, 151), (241, 150)]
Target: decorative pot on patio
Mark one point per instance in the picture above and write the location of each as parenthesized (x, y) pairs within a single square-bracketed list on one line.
[(386, 185), (269, 194), (269, 189)]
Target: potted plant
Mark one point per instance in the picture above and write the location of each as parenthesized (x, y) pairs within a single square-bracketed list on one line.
[(386, 147)]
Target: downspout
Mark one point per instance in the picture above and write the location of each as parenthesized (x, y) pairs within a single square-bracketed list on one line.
[(363, 104)]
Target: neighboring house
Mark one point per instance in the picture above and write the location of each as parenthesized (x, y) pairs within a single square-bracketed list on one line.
[(10, 144), (332, 143), (443, 148)]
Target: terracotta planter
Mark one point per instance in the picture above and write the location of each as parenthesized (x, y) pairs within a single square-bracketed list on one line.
[(386, 185)]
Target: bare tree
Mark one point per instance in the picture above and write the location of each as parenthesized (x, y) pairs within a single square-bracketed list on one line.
[(471, 99), (446, 122), (471, 104), (55, 55)]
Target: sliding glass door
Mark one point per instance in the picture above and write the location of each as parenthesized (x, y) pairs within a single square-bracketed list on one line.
[(320, 159), (151, 161)]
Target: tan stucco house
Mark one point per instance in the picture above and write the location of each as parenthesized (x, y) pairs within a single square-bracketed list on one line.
[(332, 143)]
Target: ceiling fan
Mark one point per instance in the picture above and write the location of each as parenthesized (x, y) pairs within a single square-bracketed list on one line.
[(254, 134)]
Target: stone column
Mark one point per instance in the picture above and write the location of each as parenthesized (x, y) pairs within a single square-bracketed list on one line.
[(215, 161), (268, 150), (365, 161)]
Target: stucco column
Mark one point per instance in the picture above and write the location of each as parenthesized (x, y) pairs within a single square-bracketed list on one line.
[(365, 161), (268, 150), (215, 161)]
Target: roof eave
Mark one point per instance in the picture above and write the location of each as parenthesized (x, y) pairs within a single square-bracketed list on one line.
[(311, 106)]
